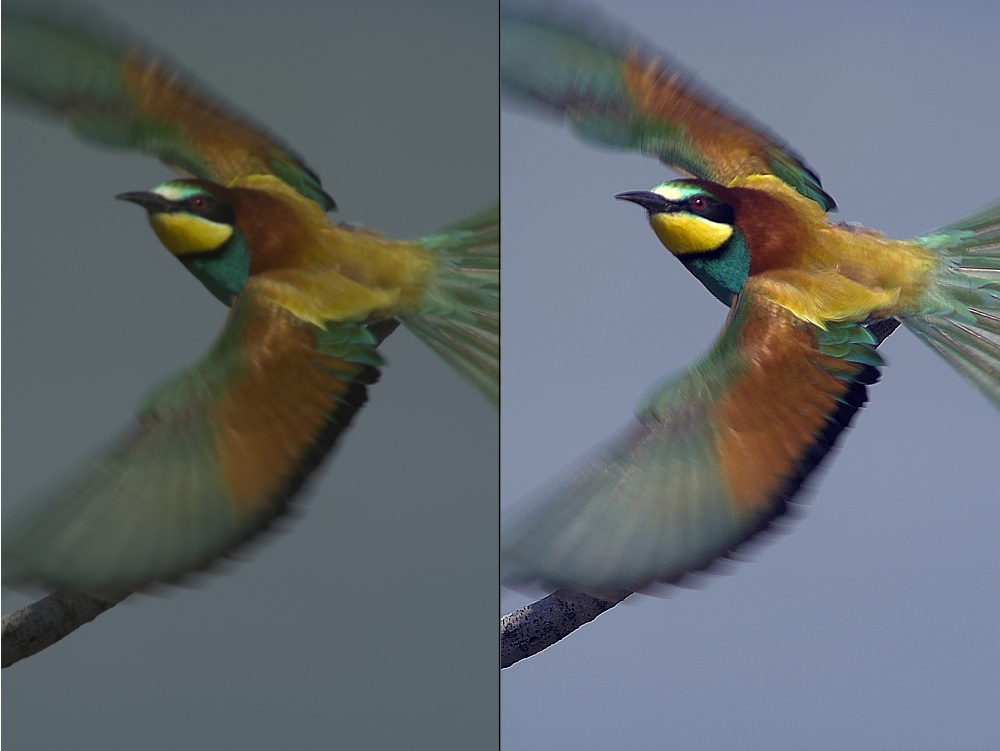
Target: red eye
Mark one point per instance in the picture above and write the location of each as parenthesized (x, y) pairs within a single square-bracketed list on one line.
[(698, 203), (198, 203)]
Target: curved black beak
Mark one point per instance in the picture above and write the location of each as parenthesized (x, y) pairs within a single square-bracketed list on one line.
[(654, 203), (154, 203)]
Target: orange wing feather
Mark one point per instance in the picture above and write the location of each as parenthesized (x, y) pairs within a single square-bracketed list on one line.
[(779, 409), (729, 145), (287, 405), (218, 453), (716, 454)]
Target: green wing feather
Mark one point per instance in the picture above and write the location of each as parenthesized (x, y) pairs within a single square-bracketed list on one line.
[(459, 313), (218, 453), (962, 321), (615, 90), (114, 92), (716, 454)]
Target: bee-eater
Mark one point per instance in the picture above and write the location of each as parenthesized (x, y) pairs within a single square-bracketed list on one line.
[(221, 448), (718, 450)]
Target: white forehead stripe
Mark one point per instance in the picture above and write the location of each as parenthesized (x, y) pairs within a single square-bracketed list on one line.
[(672, 192), (172, 192)]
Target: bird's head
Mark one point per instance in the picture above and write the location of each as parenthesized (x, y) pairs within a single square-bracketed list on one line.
[(196, 221), (187, 215), (695, 222), (687, 215)]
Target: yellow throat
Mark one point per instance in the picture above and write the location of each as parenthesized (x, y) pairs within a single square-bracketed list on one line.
[(684, 233), (184, 233)]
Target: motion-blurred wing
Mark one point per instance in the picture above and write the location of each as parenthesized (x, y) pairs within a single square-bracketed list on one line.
[(716, 454), (112, 91), (615, 90), (460, 316), (218, 453)]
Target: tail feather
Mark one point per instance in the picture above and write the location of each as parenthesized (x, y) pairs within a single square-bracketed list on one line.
[(967, 334), (460, 311)]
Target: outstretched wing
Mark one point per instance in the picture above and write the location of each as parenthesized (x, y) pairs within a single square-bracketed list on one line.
[(715, 456), (113, 91), (615, 90), (217, 454)]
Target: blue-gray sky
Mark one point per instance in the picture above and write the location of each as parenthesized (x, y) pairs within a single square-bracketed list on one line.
[(370, 623), (873, 624)]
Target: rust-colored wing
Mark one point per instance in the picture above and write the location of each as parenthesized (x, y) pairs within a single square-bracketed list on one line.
[(716, 454), (217, 454), (615, 90), (113, 91)]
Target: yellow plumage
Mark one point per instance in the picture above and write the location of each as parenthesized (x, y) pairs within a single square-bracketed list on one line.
[(183, 233), (334, 272), (838, 272)]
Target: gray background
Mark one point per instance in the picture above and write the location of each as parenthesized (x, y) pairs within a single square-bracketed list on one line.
[(873, 625), (369, 624)]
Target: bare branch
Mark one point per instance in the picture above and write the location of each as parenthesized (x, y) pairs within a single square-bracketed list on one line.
[(534, 627), (41, 624)]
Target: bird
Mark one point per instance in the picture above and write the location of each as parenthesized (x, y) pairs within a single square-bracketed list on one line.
[(221, 448), (717, 452)]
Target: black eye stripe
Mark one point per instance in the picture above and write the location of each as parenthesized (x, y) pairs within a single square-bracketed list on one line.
[(713, 209), (213, 209)]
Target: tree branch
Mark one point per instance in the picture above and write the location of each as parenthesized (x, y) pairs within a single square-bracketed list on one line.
[(529, 630), (541, 624), (41, 624), (34, 627)]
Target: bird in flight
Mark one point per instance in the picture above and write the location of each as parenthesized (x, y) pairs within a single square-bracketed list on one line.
[(221, 448), (717, 451)]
